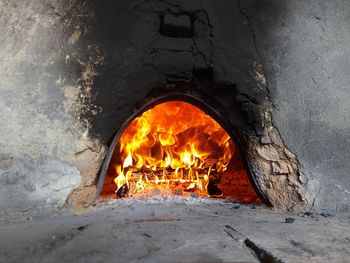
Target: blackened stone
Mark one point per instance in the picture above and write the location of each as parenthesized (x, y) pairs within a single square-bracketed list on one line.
[(173, 44), (176, 26), (236, 206), (81, 228), (174, 63), (122, 191), (201, 65), (213, 189), (252, 114)]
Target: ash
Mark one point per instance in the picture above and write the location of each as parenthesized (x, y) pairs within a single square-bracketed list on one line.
[(162, 200)]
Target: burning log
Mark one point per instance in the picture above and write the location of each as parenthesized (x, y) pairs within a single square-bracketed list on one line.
[(191, 188), (213, 189), (168, 173), (192, 180), (122, 191)]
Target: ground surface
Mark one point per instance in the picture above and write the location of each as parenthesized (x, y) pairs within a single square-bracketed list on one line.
[(177, 230)]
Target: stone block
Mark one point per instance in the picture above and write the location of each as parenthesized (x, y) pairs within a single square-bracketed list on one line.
[(268, 152), (174, 63), (176, 26), (279, 168)]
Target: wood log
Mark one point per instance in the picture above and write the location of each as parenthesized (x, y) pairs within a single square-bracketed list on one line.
[(122, 191), (170, 174)]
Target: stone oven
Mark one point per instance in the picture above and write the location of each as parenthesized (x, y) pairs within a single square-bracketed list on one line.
[(179, 65), (75, 74), (261, 158), (174, 130)]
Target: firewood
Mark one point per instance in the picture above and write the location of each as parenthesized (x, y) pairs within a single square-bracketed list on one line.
[(122, 191), (213, 189), (169, 174)]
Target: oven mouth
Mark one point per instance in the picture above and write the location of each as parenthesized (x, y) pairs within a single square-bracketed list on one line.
[(203, 106)]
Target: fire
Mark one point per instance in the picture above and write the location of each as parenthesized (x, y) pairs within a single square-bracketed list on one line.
[(174, 145)]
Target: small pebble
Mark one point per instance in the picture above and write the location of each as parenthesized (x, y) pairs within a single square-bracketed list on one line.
[(146, 235), (81, 228), (289, 220)]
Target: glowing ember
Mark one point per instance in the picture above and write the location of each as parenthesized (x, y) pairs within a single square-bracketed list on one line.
[(171, 146)]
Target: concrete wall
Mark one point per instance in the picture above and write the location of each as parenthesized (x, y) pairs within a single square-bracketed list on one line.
[(53, 54)]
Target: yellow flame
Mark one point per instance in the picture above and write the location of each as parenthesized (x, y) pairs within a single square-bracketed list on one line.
[(128, 161), (175, 141)]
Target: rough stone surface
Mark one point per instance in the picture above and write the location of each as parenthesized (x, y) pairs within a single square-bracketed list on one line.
[(173, 44), (41, 187), (88, 159), (176, 230), (176, 26), (181, 21), (279, 175), (269, 153), (279, 168)]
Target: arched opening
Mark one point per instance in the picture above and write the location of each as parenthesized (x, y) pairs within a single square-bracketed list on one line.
[(173, 147)]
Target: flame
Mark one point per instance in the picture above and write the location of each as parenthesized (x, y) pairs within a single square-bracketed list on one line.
[(174, 144)]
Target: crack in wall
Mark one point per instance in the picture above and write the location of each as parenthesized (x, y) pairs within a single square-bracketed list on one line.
[(244, 14), (260, 253)]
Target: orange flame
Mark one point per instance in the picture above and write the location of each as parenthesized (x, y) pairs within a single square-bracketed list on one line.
[(173, 144)]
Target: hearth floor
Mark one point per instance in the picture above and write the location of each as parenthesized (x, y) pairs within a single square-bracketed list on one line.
[(176, 229)]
